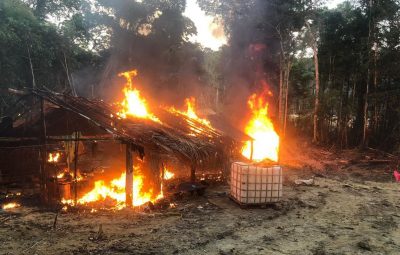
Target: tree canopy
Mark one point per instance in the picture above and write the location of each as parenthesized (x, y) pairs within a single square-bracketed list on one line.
[(347, 58)]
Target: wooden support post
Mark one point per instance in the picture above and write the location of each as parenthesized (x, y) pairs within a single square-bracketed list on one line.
[(129, 176), (251, 149), (193, 173), (43, 155), (162, 178), (162, 171), (76, 152)]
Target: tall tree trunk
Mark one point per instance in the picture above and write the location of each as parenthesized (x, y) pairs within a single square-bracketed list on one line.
[(280, 92), (31, 66), (316, 67), (316, 102), (216, 99), (375, 87), (365, 110), (339, 123), (286, 96)]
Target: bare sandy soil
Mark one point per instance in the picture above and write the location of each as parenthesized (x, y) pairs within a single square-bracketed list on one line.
[(344, 212)]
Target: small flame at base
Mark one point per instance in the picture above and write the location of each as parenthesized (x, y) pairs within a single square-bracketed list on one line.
[(10, 206), (53, 157), (115, 190)]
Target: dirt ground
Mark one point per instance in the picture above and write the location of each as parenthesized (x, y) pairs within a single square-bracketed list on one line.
[(353, 207)]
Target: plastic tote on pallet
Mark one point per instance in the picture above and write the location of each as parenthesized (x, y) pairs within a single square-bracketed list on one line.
[(252, 184)]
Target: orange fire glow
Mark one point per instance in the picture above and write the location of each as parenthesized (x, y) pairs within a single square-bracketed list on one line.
[(192, 115), (134, 104), (53, 157), (10, 206), (66, 173), (167, 174), (115, 190), (261, 129), (191, 111)]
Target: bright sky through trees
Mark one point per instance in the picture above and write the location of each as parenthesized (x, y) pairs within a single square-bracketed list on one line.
[(210, 32), (333, 3)]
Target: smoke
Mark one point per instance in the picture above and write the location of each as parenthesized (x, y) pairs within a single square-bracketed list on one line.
[(251, 58), (85, 81), (171, 69)]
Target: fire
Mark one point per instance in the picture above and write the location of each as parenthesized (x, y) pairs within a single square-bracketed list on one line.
[(53, 157), (192, 115), (134, 104), (191, 111), (66, 173), (261, 129), (115, 190), (10, 206), (167, 174)]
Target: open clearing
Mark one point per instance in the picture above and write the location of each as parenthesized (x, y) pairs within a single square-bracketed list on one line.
[(342, 213)]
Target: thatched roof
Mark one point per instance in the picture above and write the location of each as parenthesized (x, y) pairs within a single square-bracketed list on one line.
[(65, 114)]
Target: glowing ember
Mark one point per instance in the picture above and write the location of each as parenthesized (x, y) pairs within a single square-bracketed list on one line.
[(167, 174), (53, 157), (66, 174), (261, 129), (10, 206), (134, 104)]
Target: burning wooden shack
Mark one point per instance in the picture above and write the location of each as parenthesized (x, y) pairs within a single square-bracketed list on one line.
[(51, 139)]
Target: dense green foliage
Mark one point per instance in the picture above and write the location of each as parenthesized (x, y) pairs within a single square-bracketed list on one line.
[(81, 45), (34, 52), (358, 47), (355, 44)]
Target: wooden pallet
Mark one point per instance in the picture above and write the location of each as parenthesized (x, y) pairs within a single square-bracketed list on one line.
[(252, 205)]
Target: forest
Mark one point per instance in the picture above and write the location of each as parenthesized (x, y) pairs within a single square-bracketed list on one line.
[(199, 127), (334, 72)]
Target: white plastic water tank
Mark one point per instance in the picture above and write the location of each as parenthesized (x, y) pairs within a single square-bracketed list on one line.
[(254, 185)]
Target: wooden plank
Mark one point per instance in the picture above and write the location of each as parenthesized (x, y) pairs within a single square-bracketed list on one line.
[(129, 176)]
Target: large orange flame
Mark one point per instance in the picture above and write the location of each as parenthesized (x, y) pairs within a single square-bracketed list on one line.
[(191, 111), (261, 129), (134, 104), (191, 114), (115, 190)]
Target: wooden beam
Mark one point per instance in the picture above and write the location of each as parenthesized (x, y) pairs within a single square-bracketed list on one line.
[(81, 139), (129, 176), (76, 152), (193, 173), (43, 155)]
